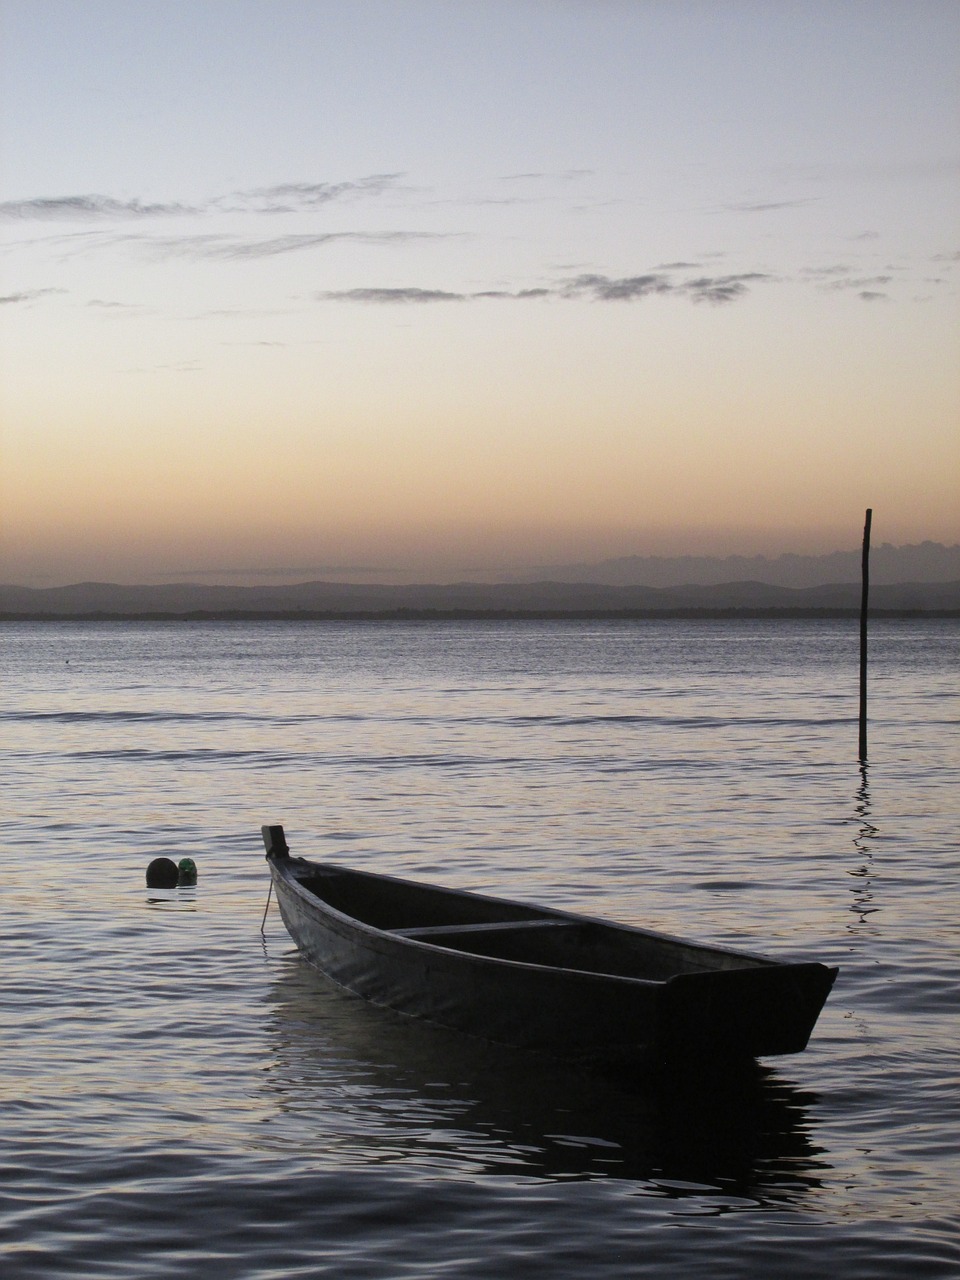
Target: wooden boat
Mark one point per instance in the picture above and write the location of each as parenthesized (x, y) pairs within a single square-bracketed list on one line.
[(571, 986)]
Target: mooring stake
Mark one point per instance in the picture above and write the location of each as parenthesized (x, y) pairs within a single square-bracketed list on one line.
[(864, 597)]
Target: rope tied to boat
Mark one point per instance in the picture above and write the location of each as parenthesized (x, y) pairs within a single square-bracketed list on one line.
[(263, 922)]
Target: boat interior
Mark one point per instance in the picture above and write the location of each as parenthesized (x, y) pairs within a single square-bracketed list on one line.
[(503, 930)]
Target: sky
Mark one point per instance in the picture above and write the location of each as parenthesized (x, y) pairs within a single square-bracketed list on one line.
[(407, 290)]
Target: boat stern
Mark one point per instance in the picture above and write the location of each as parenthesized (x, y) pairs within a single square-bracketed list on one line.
[(743, 1012)]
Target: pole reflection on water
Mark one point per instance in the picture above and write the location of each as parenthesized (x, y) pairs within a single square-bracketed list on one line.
[(863, 903)]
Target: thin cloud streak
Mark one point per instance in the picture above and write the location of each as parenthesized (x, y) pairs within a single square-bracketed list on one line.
[(89, 206), (289, 197), (27, 295), (299, 197), (391, 295), (766, 206), (627, 289), (562, 175), (717, 289), (232, 248), (218, 245), (858, 282), (594, 288)]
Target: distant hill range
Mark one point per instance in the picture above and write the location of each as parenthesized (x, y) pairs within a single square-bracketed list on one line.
[(591, 596), (923, 577), (889, 565)]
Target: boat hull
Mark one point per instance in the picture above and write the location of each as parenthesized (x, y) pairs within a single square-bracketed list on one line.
[(718, 1005)]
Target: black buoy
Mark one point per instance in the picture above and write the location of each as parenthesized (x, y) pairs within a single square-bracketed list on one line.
[(162, 873), (187, 870)]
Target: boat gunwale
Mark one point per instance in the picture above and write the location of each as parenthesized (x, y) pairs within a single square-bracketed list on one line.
[(386, 939)]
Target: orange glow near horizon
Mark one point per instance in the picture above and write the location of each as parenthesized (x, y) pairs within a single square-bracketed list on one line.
[(476, 347)]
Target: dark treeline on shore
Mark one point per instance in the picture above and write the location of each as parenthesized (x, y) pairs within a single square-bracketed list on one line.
[(476, 615), (315, 600)]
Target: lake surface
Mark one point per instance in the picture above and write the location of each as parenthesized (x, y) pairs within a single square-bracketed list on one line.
[(183, 1096)]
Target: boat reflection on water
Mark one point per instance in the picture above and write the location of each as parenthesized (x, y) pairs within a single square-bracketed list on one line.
[(354, 1084)]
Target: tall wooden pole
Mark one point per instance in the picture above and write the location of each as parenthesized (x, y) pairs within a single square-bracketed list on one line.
[(864, 599)]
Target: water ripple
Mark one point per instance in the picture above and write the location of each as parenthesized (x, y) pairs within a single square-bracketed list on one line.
[(183, 1097)]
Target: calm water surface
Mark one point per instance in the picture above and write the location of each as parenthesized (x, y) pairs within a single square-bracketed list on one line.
[(182, 1096)]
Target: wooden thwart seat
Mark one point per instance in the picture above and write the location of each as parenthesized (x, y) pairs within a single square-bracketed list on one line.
[(494, 926)]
